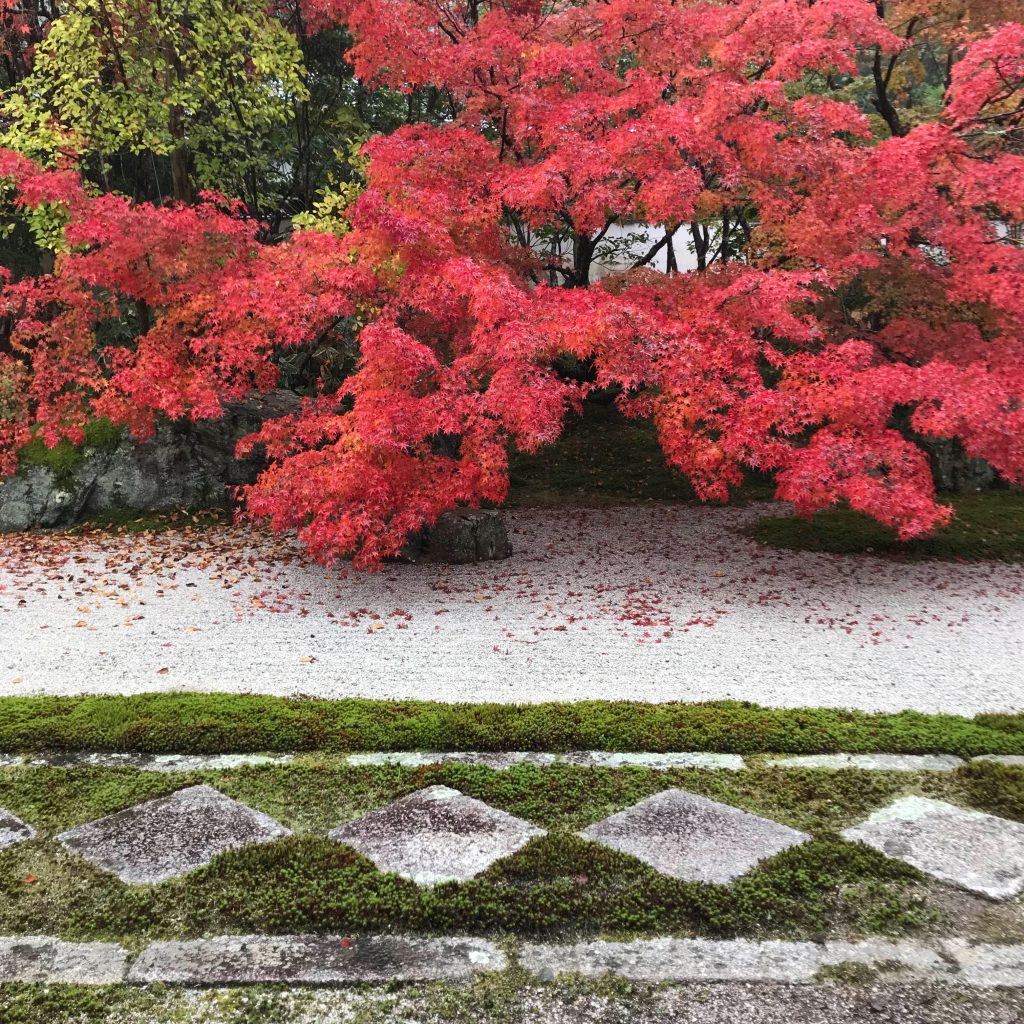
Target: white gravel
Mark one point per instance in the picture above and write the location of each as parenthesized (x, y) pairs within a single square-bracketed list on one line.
[(651, 603)]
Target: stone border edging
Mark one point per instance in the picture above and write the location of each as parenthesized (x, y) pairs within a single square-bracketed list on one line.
[(499, 761), (684, 960), (40, 959), (313, 960), (335, 960), (871, 762)]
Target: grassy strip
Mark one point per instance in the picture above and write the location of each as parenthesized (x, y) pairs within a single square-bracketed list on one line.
[(557, 885), (986, 526), (508, 997), (225, 723)]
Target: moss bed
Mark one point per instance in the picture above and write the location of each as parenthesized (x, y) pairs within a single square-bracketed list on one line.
[(558, 885), (225, 723), (987, 526)]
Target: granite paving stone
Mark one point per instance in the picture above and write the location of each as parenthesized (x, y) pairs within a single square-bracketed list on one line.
[(690, 837), (660, 762), (976, 851), (162, 763), (666, 960), (38, 958), (871, 762), (988, 965), (13, 829), (436, 835), (171, 835), (498, 760), (314, 959)]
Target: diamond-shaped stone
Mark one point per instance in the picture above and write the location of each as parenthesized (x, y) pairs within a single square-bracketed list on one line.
[(693, 838), (976, 851), (13, 829), (168, 836), (436, 835)]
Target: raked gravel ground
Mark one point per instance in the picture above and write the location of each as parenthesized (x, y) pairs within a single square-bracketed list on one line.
[(652, 603)]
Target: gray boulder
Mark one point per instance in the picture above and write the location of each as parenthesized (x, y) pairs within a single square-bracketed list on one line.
[(955, 472), (184, 465), (35, 498), (468, 535), (460, 537)]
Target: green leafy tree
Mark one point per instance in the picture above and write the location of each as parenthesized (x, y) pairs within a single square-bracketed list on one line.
[(207, 87)]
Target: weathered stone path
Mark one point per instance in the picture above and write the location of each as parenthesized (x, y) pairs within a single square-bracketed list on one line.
[(325, 959), (437, 834)]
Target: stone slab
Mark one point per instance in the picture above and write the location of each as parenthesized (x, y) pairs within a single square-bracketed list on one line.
[(37, 958), (1013, 760), (585, 758), (171, 835), (988, 965), (436, 835), (871, 762), (13, 829), (498, 760), (163, 763), (312, 959), (659, 762), (667, 960), (690, 837), (976, 851)]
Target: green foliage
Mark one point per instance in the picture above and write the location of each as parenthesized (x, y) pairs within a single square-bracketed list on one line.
[(218, 723), (986, 526), (215, 78)]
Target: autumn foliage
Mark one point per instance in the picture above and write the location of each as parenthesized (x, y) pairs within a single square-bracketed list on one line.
[(860, 294)]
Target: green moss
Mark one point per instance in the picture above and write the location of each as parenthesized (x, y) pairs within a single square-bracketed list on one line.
[(996, 788), (37, 1004), (849, 973), (559, 885), (986, 526), (64, 458), (221, 723), (505, 997)]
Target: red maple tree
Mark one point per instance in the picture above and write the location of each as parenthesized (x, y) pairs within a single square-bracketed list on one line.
[(849, 294)]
